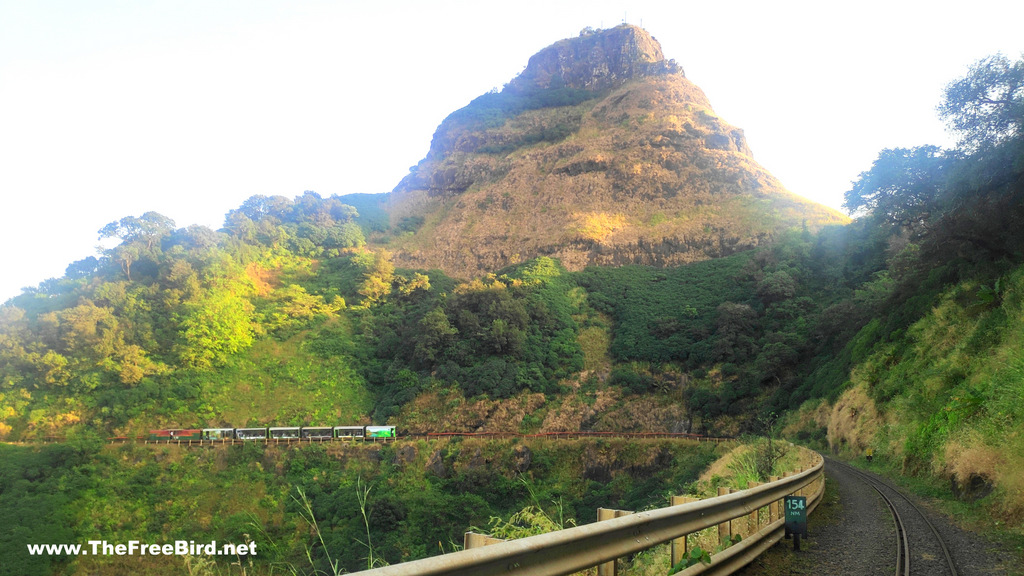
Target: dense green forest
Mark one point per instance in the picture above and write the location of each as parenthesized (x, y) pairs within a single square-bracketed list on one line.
[(900, 332), (319, 508)]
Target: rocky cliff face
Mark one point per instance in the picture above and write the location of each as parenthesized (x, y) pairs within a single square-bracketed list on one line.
[(595, 61), (600, 152)]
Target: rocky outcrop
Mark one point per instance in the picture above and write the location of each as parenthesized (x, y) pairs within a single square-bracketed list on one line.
[(522, 457), (436, 464), (597, 60)]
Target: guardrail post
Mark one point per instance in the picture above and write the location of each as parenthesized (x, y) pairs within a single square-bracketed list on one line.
[(609, 568), (755, 520), (725, 528), (473, 540), (679, 544), (773, 508)]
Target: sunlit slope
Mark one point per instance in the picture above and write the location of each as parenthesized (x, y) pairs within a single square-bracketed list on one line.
[(600, 153)]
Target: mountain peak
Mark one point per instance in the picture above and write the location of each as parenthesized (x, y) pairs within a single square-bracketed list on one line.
[(595, 60), (600, 152)]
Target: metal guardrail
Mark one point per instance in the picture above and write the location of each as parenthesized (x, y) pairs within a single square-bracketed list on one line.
[(739, 555), (575, 549)]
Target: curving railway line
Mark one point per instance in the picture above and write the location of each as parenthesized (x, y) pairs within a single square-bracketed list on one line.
[(300, 439), (920, 549)]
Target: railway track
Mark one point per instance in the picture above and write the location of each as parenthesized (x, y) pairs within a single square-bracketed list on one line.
[(920, 549), (407, 436)]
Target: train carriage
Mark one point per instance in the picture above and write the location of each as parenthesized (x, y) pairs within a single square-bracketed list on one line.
[(317, 432), (275, 433), (251, 433), (349, 432), (176, 434), (380, 432), (284, 432), (218, 433)]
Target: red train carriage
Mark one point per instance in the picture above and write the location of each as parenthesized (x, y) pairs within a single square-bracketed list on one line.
[(176, 434)]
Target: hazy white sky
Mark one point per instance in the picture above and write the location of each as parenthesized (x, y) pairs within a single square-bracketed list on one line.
[(110, 108)]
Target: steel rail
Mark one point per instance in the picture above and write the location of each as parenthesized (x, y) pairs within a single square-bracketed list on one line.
[(902, 537), (574, 549), (902, 543)]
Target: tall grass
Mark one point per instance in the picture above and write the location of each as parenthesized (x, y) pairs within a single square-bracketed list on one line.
[(306, 512)]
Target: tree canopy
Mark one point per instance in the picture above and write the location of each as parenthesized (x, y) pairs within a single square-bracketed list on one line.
[(901, 186), (965, 201), (986, 107)]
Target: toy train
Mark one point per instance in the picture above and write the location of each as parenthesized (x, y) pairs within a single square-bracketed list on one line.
[(276, 433)]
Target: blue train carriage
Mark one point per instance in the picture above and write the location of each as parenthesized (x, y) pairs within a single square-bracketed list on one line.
[(380, 432), (223, 434)]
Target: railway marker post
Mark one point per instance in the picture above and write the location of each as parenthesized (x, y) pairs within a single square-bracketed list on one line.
[(796, 518)]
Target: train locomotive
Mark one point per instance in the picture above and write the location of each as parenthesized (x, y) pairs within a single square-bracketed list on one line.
[(276, 433)]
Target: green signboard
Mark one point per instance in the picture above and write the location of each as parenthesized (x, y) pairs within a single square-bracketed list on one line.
[(796, 514)]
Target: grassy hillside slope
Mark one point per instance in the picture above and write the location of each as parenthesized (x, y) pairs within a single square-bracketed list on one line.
[(943, 398)]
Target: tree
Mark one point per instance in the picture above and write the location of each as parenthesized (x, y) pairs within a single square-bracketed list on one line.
[(214, 328), (258, 207), (407, 286), (984, 197), (311, 207), (902, 186), (965, 202), (769, 452), (437, 334), (83, 268), (196, 237), (126, 255), (736, 325), (146, 229), (987, 105), (776, 287), (377, 278), (347, 235), (88, 329), (140, 237), (133, 364)]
